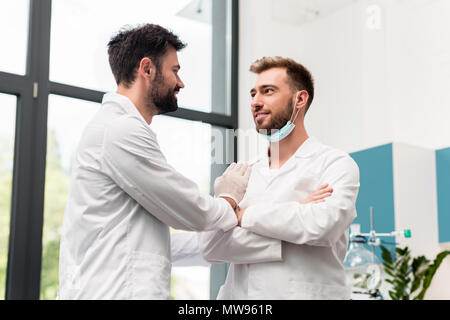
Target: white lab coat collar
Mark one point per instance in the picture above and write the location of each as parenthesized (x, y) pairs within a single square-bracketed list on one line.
[(306, 150), (124, 102), (128, 106)]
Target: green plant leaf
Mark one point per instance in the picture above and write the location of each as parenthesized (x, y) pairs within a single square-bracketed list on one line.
[(399, 281), (419, 265), (430, 272), (389, 272), (404, 267), (416, 283), (407, 274), (388, 266), (393, 295), (419, 262), (386, 255), (402, 252)]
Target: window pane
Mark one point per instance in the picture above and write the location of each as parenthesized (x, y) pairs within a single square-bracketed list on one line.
[(187, 147), (13, 35), (67, 118), (7, 128), (75, 25)]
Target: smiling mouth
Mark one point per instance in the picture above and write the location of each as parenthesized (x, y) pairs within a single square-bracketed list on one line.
[(261, 115)]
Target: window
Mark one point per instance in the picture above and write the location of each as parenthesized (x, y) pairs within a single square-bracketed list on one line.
[(58, 70), (7, 128), (75, 25), (13, 32), (186, 146)]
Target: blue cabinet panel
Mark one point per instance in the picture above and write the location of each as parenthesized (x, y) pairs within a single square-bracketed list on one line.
[(377, 191), (443, 193)]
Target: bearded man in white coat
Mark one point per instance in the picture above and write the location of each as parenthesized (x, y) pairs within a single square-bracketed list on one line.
[(115, 241), (287, 245)]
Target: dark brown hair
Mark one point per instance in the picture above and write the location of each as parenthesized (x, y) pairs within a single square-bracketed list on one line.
[(127, 48)]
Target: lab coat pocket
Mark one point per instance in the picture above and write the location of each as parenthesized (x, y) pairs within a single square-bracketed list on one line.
[(149, 276), (300, 290)]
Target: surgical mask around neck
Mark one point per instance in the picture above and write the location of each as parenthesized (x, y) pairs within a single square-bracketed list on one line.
[(286, 130)]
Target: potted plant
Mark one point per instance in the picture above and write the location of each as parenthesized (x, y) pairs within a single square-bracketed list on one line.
[(409, 276)]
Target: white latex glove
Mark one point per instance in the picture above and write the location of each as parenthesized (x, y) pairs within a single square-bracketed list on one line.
[(233, 182)]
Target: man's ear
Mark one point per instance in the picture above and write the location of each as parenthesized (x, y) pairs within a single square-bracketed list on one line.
[(302, 99), (147, 68)]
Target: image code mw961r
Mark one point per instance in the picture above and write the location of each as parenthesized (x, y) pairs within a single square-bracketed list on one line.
[(247, 309)]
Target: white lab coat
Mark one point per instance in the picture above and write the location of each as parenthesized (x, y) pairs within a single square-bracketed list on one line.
[(286, 250), (115, 241)]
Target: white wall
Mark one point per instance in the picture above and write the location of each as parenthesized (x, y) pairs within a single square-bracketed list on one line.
[(420, 53), (375, 84), (332, 49)]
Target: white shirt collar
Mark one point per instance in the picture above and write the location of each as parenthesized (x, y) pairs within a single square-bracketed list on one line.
[(125, 102), (306, 150)]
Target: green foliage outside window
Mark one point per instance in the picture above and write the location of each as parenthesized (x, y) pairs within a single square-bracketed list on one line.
[(56, 191), (6, 160), (5, 204), (55, 199)]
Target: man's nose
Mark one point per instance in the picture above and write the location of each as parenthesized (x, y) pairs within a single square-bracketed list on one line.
[(256, 102), (180, 84)]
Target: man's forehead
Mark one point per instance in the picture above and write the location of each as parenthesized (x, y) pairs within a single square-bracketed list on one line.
[(275, 76), (170, 58)]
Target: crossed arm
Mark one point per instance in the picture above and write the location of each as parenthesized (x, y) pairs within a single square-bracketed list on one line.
[(237, 245), (320, 223), (240, 245)]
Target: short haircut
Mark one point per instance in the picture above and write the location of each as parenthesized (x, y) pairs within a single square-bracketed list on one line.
[(131, 44), (299, 78)]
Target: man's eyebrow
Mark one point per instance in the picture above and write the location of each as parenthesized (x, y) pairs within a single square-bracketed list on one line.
[(264, 86)]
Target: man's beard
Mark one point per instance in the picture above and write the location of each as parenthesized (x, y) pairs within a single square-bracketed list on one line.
[(278, 120), (163, 102)]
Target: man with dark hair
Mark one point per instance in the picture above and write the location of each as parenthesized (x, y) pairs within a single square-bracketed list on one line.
[(147, 45), (292, 234), (127, 50), (115, 241)]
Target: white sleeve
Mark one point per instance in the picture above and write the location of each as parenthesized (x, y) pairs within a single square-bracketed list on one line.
[(185, 249), (313, 223), (238, 246), (132, 158)]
